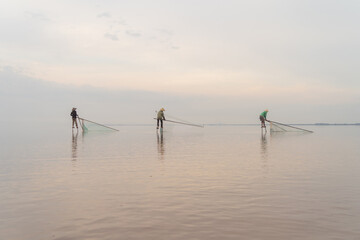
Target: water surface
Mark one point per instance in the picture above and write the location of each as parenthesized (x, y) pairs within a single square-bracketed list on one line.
[(220, 182)]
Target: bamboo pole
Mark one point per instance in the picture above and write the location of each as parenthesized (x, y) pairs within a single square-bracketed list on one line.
[(190, 124)]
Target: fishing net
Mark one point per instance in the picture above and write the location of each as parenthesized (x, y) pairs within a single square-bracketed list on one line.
[(88, 125), (182, 121), (280, 127)]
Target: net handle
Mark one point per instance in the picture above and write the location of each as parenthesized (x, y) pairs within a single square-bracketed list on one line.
[(189, 124)]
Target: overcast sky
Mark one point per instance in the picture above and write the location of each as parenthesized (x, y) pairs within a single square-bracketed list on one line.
[(218, 61)]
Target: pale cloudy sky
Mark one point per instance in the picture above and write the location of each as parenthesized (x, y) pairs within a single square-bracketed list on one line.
[(298, 58)]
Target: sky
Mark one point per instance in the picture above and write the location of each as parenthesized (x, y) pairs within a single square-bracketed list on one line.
[(208, 61)]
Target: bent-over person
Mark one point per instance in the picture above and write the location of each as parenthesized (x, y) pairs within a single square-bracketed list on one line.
[(160, 118), (74, 115)]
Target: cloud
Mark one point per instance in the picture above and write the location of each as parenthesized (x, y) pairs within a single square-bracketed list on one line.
[(110, 36), (24, 98), (120, 22), (28, 99), (104, 15), (133, 33), (113, 26), (275, 53), (165, 36), (166, 32), (38, 16)]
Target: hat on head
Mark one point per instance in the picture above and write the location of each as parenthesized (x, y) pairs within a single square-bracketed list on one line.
[(162, 109)]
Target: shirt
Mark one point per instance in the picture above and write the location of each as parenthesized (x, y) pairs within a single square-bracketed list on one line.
[(160, 115), (264, 114)]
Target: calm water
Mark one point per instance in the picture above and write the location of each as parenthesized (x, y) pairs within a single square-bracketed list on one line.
[(215, 183)]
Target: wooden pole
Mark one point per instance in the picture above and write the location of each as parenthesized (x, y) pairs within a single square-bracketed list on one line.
[(190, 124)]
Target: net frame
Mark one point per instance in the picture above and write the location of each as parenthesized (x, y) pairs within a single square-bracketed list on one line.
[(280, 127), (101, 126)]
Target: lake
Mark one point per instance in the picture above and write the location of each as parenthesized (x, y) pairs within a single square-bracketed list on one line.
[(219, 182)]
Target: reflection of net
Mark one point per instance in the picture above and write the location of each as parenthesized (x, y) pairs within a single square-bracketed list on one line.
[(277, 127), (88, 125)]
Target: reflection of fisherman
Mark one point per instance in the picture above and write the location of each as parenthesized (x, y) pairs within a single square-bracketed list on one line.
[(160, 117), (74, 115), (160, 141), (263, 118), (74, 145)]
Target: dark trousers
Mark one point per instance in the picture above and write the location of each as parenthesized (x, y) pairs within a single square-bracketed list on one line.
[(160, 120), (74, 122), (262, 119)]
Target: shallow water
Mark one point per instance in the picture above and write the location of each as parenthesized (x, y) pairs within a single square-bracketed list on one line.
[(220, 182)]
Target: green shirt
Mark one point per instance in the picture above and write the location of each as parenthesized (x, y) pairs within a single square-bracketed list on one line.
[(264, 113), (160, 115)]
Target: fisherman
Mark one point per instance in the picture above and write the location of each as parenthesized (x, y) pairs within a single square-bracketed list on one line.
[(74, 115), (160, 118), (263, 118)]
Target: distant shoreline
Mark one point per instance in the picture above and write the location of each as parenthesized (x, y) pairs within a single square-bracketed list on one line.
[(254, 124), (337, 124), (294, 124)]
